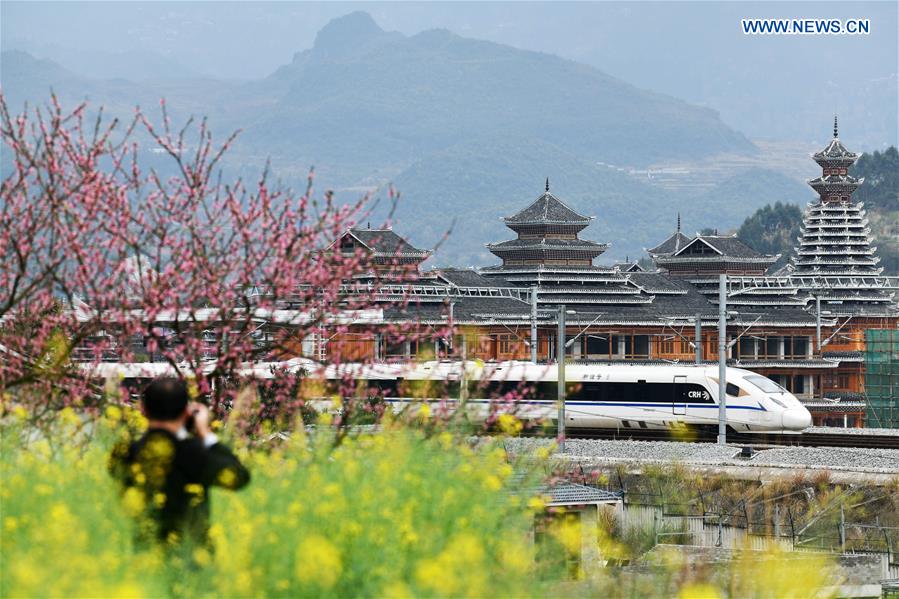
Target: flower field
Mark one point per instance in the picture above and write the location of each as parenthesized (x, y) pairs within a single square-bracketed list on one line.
[(394, 514), (398, 513)]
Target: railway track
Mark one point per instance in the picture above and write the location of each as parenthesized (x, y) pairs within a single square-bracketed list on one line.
[(752, 440)]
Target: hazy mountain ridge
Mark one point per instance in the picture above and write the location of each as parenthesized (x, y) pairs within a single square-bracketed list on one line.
[(366, 106)]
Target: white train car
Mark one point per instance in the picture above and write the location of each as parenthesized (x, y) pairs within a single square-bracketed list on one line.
[(597, 395), (604, 396)]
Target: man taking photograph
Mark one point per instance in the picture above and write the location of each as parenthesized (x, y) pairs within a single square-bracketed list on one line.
[(172, 466)]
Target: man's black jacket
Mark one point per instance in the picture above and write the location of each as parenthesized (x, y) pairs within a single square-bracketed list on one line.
[(174, 475)]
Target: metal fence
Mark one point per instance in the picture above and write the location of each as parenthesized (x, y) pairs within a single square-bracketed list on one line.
[(675, 524)]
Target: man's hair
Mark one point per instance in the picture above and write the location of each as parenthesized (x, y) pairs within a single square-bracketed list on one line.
[(165, 399)]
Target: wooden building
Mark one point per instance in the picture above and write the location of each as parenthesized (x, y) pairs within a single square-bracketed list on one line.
[(623, 314)]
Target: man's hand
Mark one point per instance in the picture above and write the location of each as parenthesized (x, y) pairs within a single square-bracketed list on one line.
[(200, 415)]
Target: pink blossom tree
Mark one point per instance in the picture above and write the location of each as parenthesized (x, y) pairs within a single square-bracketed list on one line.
[(107, 261)]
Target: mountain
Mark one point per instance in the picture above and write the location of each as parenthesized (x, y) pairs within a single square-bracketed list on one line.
[(477, 182), (467, 129), (396, 98), (730, 201)]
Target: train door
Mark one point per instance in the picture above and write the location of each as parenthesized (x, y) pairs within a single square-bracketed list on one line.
[(679, 406)]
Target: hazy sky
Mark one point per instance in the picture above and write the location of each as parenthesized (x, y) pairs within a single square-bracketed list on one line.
[(692, 50)]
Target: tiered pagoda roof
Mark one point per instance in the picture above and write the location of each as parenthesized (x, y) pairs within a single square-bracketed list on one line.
[(835, 154), (836, 238), (549, 254), (547, 213)]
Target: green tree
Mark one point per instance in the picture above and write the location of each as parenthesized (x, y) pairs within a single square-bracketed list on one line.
[(773, 229), (881, 172)]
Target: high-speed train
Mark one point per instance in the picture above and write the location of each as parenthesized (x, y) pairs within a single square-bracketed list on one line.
[(597, 395)]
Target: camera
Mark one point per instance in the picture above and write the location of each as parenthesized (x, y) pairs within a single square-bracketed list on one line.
[(190, 424)]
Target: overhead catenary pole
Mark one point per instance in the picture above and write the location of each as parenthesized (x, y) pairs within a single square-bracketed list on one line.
[(534, 324), (452, 324), (697, 344), (722, 359), (818, 323), (560, 359)]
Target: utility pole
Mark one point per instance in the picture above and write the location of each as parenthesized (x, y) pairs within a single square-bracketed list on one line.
[(560, 358), (722, 359), (818, 323), (842, 529), (534, 324), (452, 324), (697, 344)]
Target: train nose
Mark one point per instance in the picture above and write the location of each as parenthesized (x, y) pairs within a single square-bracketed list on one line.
[(796, 419)]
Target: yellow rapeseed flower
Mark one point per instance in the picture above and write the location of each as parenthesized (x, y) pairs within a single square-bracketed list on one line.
[(509, 424), (113, 413), (699, 590), (227, 478), (202, 556), (536, 503), (133, 502), (318, 562)]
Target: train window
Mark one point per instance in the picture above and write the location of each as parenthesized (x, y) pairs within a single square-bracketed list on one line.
[(732, 390), (765, 384), (386, 387)]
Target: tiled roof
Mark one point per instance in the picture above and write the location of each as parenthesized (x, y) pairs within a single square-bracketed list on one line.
[(547, 209), (629, 267), (843, 406), (850, 396), (386, 242), (727, 245), (671, 245), (468, 277), (844, 356), (548, 244), (653, 282), (810, 363), (835, 150), (575, 494)]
